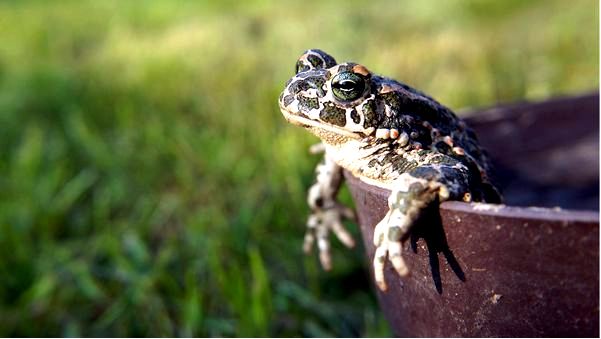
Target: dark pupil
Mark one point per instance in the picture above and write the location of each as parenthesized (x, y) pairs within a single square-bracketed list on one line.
[(347, 85)]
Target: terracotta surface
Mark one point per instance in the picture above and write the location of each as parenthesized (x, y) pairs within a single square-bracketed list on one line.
[(492, 270)]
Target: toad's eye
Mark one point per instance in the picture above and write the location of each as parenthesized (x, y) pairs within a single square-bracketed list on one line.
[(348, 86)]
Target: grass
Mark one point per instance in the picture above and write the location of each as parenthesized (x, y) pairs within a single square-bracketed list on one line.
[(150, 187)]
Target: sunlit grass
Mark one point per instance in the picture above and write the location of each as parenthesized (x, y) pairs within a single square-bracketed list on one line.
[(149, 186)]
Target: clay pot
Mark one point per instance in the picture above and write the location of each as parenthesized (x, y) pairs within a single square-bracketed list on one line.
[(506, 270)]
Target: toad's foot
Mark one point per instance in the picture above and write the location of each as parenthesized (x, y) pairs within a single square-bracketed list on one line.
[(410, 196), (327, 213), (319, 225)]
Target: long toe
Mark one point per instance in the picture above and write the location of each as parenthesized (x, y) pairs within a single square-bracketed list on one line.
[(343, 235), (326, 260), (396, 258), (380, 232), (308, 241), (379, 261)]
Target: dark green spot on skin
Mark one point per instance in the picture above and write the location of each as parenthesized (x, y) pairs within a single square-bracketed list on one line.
[(316, 82), (328, 59), (403, 205), (355, 116), (416, 187), (301, 67), (393, 100), (308, 82), (425, 172), (333, 115), (288, 99), (298, 86), (369, 112), (423, 108), (307, 104), (394, 233), (403, 165), (346, 68), (399, 163), (441, 159), (315, 61)]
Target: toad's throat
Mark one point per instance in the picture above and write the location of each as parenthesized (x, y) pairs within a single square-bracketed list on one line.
[(305, 122)]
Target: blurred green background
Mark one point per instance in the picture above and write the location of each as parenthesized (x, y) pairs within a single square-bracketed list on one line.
[(149, 185)]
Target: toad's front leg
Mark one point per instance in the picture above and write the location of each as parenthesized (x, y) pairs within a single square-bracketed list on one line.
[(327, 213), (411, 193)]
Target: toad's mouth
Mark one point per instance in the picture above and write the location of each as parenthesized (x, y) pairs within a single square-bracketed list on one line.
[(306, 122)]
